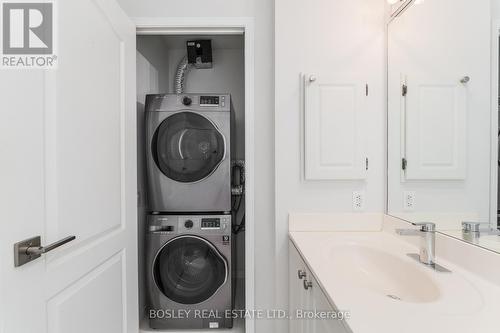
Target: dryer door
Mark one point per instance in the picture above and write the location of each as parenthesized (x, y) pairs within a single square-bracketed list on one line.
[(189, 270), (187, 147)]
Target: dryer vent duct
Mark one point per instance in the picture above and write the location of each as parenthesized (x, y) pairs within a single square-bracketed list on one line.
[(180, 75), (199, 55)]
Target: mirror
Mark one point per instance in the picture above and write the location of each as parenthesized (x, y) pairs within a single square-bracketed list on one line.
[(443, 99)]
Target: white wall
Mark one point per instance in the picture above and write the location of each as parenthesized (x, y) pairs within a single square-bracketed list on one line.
[(262, 11), (495, 9), (324, 36), (154, 50)]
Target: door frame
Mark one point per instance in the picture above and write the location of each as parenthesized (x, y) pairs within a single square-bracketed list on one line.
[(495, 58), (225, 26)]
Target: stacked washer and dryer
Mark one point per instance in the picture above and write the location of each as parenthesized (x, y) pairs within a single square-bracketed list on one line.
[(188, 241)]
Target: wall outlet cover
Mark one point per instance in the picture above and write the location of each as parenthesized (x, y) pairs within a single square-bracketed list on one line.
[(409, 201), (358, 201)]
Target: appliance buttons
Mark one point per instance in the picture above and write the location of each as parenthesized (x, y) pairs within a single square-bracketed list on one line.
[(186, 101), (188, 224)]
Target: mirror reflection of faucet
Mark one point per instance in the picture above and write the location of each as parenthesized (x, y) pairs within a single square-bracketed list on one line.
[(472, 231)]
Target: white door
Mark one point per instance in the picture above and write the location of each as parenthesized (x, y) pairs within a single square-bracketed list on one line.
[(334, 135), (67, 167)]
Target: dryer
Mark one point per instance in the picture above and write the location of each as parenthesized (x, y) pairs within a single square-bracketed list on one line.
[(188, 271), (188, 153)]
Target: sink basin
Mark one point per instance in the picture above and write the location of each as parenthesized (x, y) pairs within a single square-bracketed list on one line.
[(370, 275), (385, 274)]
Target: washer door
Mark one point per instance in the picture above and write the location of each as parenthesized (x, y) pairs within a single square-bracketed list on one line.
[(189, 270), (187, 147)]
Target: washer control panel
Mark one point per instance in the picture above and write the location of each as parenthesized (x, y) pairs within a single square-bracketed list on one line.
[(210, 223), (168, 224)]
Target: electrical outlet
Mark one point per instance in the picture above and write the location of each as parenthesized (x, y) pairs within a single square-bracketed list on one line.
[(409, 201), (358, 201)]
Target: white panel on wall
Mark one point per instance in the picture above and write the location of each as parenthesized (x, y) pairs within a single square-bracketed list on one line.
[(333, 134), (435, 129)]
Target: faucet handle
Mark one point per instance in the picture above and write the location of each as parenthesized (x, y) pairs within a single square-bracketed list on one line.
[(426, 226)]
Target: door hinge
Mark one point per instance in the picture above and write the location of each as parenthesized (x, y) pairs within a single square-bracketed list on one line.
[(366, 163), (366, 89), (404, 163), (404, 90)]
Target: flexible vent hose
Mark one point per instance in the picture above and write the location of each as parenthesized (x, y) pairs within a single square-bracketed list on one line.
[(180, 75)]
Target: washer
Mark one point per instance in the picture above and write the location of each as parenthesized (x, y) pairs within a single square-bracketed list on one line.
[(189, 162), (189, 276)]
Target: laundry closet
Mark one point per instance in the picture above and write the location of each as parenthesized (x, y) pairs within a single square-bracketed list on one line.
[(191, 181)]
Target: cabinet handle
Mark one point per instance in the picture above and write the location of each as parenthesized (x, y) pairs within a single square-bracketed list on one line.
[(307, 284), (302, 274)]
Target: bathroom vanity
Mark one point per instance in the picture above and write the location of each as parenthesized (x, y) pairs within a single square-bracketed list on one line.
[(370, 275)]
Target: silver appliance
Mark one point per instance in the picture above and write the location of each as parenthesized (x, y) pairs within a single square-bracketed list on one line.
[(189, 271), (188, 155)]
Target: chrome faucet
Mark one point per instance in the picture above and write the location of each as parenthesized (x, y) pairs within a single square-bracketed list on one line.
[(427, 232)]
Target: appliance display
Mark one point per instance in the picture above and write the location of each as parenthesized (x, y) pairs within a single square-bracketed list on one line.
[(188, 158), (189, 271)]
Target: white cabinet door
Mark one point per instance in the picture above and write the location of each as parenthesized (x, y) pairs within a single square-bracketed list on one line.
[(334, 140), (322, 306), (68, 168), (435, 111), (306, 296), (299, 298)]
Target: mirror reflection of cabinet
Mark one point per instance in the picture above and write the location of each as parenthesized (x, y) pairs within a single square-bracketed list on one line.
[(433, 116), (440, 113)]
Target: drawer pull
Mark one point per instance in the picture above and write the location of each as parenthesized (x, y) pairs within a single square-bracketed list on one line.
[(307, 284)]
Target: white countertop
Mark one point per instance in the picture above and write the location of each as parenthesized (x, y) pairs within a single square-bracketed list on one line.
[(467, 303)]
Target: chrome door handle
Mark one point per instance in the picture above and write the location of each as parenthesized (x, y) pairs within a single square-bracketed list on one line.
[(307, 284), (31, 249)]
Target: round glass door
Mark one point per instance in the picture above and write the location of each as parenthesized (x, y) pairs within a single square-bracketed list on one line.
[(189, 270), (187, 147)]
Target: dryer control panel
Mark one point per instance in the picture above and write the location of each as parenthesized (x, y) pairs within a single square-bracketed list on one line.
[(193, 102), (212, 101)]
